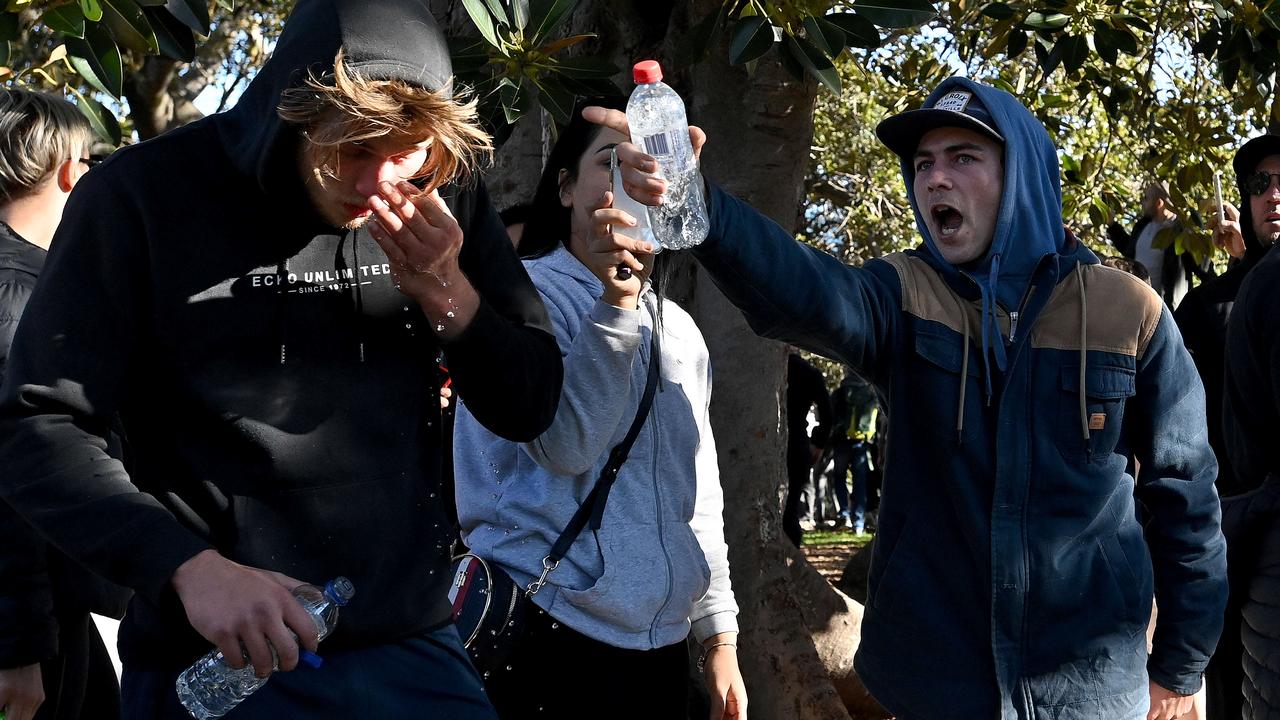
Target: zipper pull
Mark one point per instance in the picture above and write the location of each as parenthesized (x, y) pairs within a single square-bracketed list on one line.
[(1013, 326)]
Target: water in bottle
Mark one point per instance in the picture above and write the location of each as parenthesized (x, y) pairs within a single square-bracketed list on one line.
[(210, 688), (659, 127)]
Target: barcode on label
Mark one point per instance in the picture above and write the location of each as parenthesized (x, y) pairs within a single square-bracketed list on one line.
[(657, 144)]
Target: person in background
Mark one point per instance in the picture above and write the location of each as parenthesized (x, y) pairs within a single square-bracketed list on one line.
[(1230, 328), (613, 617), (53, 663), (1168, 272), (263, 298), (856, 413), (806, 390)]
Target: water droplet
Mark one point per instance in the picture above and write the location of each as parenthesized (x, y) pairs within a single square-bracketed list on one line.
[(508, 668), (450, 314), (406, 308), (439, 327), (408, 326), (486, 674), (555, 626), (432, 495)]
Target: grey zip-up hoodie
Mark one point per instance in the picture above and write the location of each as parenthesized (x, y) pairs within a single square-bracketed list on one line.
[(659, 561)]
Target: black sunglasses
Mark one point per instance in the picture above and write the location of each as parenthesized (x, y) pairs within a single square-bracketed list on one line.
[(1257, 183), (92, 161)]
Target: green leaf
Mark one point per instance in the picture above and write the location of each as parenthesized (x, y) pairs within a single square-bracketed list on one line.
[(1017, 43), (1121, 21), (97, 59), (104, 123), (827, 37), (9, 27), (129, 26), (812, 59), (514, 98), (174, 38), (66, 19), (498, 12), (896, 13), (752, 38), (520, 13), (150, 3), (92, 10), (1104, 41), (1074, 50), (553, 97), (545, 15), (1045, 21), (483, 21), (556, 46), (998, 11), (858, 31), (587, 67), (192, 13), (227, 5), (468, 54), (4, 59)]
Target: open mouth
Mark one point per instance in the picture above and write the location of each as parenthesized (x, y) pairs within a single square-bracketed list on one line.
[(947, 218)]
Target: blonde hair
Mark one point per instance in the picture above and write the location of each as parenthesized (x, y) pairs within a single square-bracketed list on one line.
[(38, 132), (350, 108)]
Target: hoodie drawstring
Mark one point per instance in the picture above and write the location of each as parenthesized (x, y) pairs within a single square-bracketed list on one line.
[(355, 278), (964, 373), (282, 272), (1084, 351)]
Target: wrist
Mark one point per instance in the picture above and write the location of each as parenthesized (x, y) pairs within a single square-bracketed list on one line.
[(723, 643), (620, 298)]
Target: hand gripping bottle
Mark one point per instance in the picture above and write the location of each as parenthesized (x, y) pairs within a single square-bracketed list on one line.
[(658, 127), (210, 688)]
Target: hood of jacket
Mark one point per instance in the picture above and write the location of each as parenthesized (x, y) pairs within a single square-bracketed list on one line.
[(1029, 225), (383, 40)]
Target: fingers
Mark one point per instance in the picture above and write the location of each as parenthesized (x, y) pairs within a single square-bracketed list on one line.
[(697, 138), (259, 651), (1230, 211), (615, 119)]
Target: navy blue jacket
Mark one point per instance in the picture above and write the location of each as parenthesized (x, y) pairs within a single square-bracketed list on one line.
[(1010, 576)]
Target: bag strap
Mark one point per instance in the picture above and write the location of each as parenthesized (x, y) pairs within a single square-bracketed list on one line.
[(592, 508)]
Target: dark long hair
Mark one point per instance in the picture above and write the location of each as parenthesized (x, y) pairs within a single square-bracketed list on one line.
[(550, 222)]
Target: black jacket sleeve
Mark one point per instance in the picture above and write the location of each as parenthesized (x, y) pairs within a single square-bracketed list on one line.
[(1251, 402), (506, 364), (28, 632), (67, 368)]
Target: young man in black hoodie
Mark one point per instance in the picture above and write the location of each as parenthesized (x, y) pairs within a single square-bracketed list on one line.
[(272, 355), (53, 663)]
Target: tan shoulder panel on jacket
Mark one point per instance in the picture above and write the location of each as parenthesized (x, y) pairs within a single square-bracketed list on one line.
[(1122, 313), (927, 296)]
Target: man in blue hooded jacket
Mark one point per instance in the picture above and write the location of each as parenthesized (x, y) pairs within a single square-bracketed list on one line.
[(1010, 577)]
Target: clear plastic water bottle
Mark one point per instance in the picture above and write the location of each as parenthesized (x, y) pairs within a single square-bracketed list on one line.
[(624, 202), (210, 688), (659, 127)]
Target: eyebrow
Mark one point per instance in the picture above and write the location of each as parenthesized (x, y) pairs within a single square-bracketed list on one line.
[(604, 148), (958, 147)]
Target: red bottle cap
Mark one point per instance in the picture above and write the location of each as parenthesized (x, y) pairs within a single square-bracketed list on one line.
[(647, 71)]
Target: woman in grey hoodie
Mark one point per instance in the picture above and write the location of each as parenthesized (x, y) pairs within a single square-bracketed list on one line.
[(609, 628)]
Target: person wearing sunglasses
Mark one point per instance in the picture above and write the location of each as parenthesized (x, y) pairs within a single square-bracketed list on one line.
[(53, 663), (1230, 326)]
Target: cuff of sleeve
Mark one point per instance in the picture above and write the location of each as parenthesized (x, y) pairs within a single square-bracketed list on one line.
[(616, 318), (1180, 683), (714, 624), (174, 547), (33, 643)]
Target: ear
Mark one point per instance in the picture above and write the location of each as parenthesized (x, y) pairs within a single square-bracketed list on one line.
[(68, 174), (566, 188)]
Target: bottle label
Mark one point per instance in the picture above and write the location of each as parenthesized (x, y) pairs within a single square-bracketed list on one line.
[(661, 145)]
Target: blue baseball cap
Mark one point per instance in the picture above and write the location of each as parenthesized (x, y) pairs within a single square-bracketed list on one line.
[(901, 133)]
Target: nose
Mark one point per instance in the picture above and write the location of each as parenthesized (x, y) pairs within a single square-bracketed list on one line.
[(373, 172), (936, 177)]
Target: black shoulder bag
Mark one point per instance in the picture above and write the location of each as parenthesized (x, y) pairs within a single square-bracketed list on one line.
[(488, 605)]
